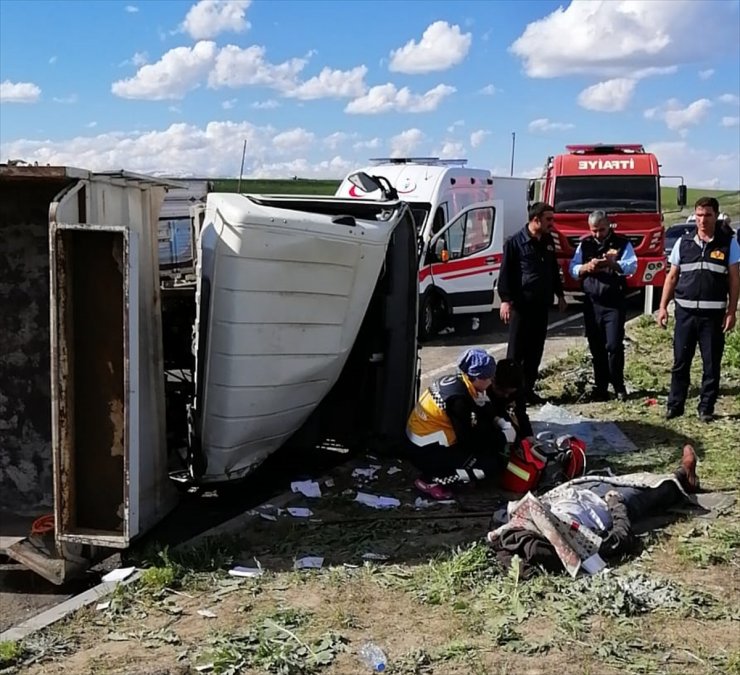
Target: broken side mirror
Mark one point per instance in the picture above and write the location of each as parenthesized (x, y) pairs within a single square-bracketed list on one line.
[(440, 250), (681, 196), (364, 182)]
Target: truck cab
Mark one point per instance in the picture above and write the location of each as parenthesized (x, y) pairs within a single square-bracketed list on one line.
[(624, 181), (459, 216)]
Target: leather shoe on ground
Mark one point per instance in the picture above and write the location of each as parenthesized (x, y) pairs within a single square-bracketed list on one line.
[(673, 412), (434, 490)]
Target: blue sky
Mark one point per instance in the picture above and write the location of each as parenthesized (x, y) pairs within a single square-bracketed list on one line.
[(316, 88)]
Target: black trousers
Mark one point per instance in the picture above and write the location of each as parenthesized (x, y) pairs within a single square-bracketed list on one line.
[(527, 333), (706, 330), (605, 334), (640, 502), (449, 465)]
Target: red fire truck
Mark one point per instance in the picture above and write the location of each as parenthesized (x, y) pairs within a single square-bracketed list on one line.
[(622, 180)]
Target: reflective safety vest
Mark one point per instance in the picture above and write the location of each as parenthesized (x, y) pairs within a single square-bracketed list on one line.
[(703, 282), (428, 422)]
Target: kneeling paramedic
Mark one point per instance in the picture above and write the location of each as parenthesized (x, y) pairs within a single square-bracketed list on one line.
[(457, 433)]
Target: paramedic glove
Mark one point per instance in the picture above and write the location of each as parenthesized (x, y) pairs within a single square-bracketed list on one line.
[(508, 429)]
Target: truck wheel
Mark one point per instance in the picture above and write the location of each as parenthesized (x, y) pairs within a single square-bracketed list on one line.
[(428, 317)]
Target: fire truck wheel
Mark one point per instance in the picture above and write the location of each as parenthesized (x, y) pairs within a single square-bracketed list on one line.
[(429, 316)]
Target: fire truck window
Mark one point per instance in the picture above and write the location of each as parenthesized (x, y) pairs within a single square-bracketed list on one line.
[(478, 230)]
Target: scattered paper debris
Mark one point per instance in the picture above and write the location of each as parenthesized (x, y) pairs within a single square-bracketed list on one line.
[(308, 488), (594, 564), (422, 503), (449, 330), (299, 512), (207, 613), (368, 473), (374, 556), (240, 571), (120, 574), (204, 668), (329, 482), (268, 516), (394, 469), (377, 502), (309, 563), (102, 605)]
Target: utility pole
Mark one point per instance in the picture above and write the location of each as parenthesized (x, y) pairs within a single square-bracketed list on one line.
[(513, 146), (241, 171)]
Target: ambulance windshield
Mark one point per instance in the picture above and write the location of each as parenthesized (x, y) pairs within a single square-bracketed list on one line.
[(576, 194), (420, 212)]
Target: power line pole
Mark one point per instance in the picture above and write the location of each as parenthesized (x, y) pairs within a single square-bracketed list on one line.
[(241, 171), (513, 146)]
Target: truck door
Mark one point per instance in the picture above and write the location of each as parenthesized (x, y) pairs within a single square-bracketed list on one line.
[(463, 262)]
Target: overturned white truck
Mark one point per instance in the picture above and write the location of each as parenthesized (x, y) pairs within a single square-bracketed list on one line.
[(305, 335)]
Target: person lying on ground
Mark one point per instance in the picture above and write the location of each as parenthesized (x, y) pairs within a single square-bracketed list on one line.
[(461, 426), (586, 520)]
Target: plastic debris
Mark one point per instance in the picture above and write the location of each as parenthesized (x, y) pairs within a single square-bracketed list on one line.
[(240, 571), (377, 502), (120, 574), (299, 512), (309, 563), (308, 488)]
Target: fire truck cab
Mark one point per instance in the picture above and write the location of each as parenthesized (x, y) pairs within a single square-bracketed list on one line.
[(624, 181)]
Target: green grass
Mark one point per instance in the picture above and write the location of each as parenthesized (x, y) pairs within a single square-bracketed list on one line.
[(729, 202), (300, 186), (10, 652)]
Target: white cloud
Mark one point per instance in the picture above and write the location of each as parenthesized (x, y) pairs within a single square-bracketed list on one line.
[(19, 92), (477, 137), (451, 150), (228, 104), (293, 140), (178, 71), (208, 18), (732, 99), (72, 98), (371, 144), (730, 121), (386, 98), (609, 96), (175, 109), (332, 84), (620, 38), (488, 90), (678, 118), (706, 74), (441, 47), (454, 126), (185, 149), (91, 125), (700, 167), (53, 60), (338, 138), (269, 104), (543, 125), (131, 9), (404, 144), (236, 67)]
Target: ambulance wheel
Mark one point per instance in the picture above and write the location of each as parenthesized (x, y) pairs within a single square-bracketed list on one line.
[(429, 316)]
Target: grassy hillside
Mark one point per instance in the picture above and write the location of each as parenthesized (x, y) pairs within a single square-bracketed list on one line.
[(729, 202)]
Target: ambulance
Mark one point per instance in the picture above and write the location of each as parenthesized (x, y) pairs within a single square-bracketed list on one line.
[(462, 218)]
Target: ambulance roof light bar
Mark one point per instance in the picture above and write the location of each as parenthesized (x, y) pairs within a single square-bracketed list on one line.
[(604, 149), (427, 161)]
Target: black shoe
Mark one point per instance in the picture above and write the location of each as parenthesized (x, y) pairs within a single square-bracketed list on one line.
[(621, 396), (706, 417), (673, 412), (534, 399), (599, 395)]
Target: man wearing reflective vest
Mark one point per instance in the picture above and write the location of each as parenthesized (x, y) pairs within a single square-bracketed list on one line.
[(459, 430), (603, 261), (704, 280)]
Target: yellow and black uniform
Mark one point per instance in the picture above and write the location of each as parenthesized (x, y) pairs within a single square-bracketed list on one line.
[(452, 433)]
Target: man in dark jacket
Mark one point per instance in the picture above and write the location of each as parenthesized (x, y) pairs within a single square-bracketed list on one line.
[(603, 261), (528, 282)]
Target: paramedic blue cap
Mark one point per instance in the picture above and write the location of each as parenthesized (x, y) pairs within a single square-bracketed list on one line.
[(477, 363)]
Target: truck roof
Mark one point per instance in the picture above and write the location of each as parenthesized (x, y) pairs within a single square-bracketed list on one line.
[(601, 164)]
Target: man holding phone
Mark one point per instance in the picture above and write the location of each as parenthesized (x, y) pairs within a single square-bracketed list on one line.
[(603, 261)]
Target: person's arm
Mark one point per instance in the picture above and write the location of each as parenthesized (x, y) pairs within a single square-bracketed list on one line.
[(669, 287), (627, 264), (458, 412), (619, 538), (510, 276), (576, 263), (734, 281), (557, 282)]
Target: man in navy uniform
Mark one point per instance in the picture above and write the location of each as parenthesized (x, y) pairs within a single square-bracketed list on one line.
[(603, 261), (528, 282), (705, 280)]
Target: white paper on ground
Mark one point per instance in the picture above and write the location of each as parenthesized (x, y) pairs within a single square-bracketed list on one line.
[(377, 502), (394, 469), (329, 482), (594, 564), (308, 488), (374, 556), (268, 516), (310, 562), (102, 605), (119, 575), (240, 571), (207, 613), (299, 512), (365, 473)]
